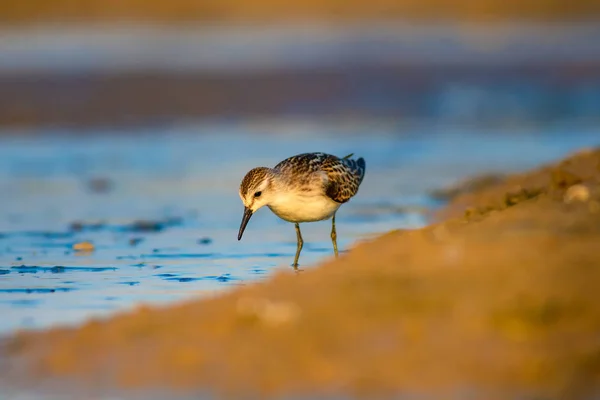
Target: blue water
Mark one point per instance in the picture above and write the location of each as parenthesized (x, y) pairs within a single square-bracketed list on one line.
[(184, 179)]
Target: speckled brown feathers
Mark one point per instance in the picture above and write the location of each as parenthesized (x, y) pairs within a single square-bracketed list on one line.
[(343, 175)]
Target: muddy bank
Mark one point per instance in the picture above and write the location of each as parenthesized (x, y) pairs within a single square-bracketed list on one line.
[(497, 300)]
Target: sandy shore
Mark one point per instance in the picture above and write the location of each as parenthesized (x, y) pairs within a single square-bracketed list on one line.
[(497, 299)]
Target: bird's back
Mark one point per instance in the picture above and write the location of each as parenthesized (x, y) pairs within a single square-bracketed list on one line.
[(343, 175)]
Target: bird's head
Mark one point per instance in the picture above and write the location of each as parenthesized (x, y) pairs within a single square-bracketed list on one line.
[(255, 192)]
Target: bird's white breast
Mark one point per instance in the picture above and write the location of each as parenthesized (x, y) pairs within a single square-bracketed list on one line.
[(303, 206)]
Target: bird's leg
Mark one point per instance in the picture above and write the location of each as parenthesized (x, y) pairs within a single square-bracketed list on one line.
[(299, 245), (334, 236)]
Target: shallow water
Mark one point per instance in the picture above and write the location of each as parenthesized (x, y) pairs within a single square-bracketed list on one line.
[(62, 188)]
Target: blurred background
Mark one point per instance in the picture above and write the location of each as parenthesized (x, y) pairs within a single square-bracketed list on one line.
[(126, 127), (131, 62)]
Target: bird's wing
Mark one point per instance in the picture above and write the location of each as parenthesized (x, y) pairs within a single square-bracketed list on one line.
[(341, 176), (344, 176), (302, 169)]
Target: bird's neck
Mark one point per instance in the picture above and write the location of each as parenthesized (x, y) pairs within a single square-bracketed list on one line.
[(276, 182)]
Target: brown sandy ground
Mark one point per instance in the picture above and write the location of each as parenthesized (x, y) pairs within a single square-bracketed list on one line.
[(501, 300), (20, 11)]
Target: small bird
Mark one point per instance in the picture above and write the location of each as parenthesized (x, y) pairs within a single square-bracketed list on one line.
[(306, 187)]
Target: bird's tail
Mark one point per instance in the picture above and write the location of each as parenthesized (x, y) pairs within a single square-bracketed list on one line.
[(358, 166), (362, 167)]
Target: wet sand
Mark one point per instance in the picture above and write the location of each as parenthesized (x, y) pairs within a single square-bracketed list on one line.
[(498, 299)]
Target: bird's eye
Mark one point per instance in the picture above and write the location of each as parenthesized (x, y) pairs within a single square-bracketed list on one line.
[(257, 194)]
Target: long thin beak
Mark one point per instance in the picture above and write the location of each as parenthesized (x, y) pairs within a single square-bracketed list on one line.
[(245, 219)]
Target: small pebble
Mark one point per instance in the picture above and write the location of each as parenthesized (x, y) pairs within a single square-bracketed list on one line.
[(577, 192), (83, 246), (271, 313)]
